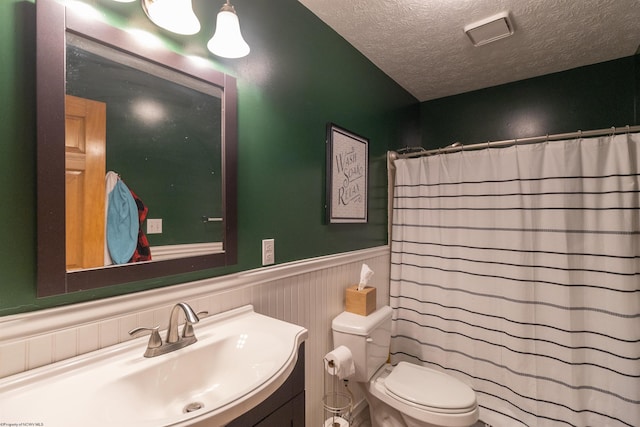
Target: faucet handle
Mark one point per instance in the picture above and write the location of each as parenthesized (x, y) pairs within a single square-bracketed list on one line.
[(187, 331), (154, 340)]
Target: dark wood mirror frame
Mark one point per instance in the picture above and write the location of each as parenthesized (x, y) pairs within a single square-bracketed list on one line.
[(53, 22)]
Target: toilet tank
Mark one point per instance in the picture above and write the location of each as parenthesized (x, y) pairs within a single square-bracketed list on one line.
[(367, 337)]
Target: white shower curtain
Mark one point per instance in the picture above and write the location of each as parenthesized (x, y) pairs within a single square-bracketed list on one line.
[(516, 270)]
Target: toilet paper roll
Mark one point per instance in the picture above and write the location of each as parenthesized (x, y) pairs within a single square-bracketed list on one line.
[(339, 362), (336, 422)]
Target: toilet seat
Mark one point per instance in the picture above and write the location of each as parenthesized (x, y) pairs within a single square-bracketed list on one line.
[(429, 389), (421, 402)]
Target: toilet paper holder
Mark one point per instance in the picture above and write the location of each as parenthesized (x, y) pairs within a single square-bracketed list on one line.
[(337, 409), (337, 399)]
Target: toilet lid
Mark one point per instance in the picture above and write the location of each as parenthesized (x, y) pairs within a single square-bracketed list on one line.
[(427, 387)]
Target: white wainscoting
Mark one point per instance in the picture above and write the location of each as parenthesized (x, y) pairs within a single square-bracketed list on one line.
[(309, 293)]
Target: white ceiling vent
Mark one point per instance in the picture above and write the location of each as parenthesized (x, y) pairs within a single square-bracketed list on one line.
[(488, 30)]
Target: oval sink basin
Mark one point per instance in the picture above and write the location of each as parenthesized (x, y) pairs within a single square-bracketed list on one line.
[(240, 359)]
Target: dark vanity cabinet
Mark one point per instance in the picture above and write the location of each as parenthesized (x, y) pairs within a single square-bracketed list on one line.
[(284, 408)]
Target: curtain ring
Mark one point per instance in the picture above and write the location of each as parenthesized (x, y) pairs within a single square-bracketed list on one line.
[(627, 127)]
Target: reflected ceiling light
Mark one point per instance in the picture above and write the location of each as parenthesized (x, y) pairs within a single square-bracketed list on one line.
[(84, 10), (145, 38), (176, 16), (124, 1), (199, 61), (149, 112), (227, 41)]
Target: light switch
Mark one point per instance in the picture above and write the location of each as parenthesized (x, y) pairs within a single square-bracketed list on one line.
[(154, 226)]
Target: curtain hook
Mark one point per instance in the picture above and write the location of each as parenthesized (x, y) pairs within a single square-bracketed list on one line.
[(627, 127), (613, 130)]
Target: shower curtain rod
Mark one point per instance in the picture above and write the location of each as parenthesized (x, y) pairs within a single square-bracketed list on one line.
[(455, 147)]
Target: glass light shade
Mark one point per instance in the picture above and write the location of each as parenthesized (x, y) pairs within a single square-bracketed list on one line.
[(176, 16), (227, 41)]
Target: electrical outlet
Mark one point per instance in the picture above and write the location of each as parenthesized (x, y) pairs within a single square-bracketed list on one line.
[(268, 251), (154, 226)]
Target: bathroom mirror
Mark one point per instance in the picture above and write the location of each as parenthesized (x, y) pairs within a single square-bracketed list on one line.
[(169, 131)]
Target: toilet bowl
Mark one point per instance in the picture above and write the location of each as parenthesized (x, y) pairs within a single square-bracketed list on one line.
[(406, 394)]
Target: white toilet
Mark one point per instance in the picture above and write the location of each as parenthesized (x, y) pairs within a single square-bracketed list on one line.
[(407, 394)]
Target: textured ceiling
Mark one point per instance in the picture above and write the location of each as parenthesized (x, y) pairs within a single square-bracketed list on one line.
[(422, 46)]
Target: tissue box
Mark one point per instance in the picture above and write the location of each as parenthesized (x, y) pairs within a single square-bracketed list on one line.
[(360, 302)]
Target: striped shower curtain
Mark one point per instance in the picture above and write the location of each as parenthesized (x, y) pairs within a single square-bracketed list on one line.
[(516, 270)]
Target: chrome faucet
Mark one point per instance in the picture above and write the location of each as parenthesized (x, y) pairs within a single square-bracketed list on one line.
[(191, 318), (174, 341)]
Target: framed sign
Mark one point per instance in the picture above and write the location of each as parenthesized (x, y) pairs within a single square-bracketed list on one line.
[(347, 176)]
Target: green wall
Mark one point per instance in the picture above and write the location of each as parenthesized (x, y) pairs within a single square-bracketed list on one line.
[(593, 97), (299, 76)]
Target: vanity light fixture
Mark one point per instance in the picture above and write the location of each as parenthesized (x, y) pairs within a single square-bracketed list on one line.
[(227, 40), (176, 16)]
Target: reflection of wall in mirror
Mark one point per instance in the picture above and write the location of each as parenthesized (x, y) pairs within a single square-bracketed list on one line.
[(163, 138)]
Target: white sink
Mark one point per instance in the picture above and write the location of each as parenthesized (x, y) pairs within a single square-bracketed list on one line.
[(240, 359)]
